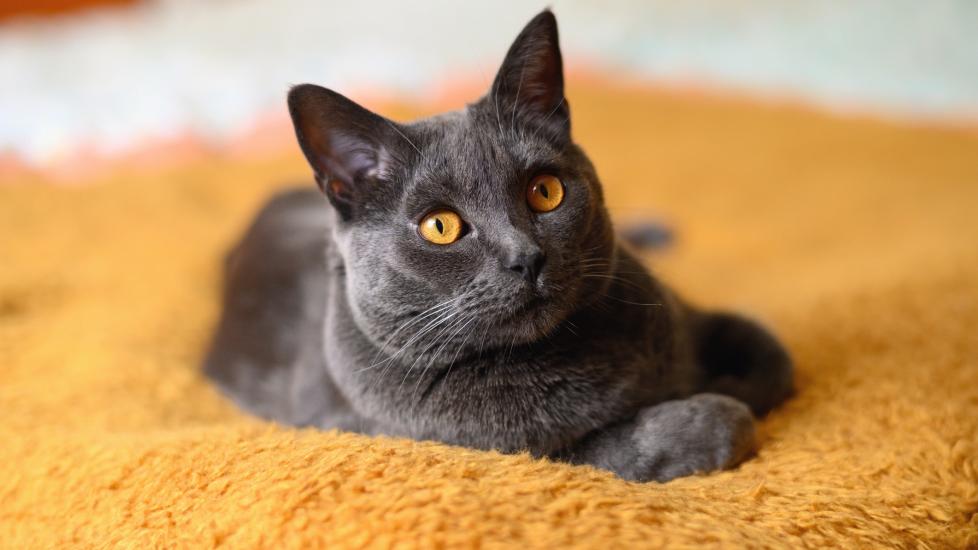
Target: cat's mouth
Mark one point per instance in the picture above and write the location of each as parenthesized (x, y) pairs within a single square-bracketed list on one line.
[(528, 307), (521, 313), (533, 316)]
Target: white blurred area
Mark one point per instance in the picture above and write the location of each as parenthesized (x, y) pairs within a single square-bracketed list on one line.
[(112, 77)]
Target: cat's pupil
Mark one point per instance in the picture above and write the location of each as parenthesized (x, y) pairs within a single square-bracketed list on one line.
[(544, 192), (439, 226)]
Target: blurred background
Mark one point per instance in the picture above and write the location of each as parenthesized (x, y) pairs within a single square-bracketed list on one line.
[(105, 77), (794, 148)]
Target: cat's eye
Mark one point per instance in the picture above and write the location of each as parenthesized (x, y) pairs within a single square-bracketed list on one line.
[(545, 193), (441, 226)]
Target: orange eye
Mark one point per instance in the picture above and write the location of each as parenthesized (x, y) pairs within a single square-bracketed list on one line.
[(441, 227), (545, 193)]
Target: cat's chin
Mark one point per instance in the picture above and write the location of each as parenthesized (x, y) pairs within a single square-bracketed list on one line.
[(535, 318)]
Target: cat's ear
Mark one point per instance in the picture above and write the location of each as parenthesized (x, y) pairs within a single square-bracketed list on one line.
[(348, 146), (530, 82)]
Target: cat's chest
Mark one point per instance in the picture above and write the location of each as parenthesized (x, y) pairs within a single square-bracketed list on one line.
[(530, 400), (539, 397)]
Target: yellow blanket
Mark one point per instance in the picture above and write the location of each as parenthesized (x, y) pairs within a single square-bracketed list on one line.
[(856, 240)]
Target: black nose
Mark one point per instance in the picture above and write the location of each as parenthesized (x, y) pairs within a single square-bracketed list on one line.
[(527, 265)]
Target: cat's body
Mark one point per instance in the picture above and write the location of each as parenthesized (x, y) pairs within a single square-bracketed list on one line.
[(532, 330)]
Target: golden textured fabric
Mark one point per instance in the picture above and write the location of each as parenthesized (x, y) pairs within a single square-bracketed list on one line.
[(856, 240)]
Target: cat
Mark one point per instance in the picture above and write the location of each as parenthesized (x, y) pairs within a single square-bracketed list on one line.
[(461, 282)]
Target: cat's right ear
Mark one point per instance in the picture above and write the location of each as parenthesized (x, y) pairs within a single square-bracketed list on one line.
[(530, 83), (348, 146)]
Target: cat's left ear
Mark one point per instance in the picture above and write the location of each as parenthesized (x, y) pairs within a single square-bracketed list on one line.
[(349, 147), (529, 86)]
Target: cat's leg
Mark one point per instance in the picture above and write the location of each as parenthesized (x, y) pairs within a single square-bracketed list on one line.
[(739, 358), (703, 433)]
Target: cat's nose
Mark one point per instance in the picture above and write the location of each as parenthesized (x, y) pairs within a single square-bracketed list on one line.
[(527, 264)]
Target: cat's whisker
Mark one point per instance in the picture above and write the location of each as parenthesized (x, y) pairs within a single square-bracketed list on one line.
[(655, 304), (619, 279), (598, 303), (605, 259), (390, 360), (598, 269), (489, 326), (451, 337), (457, 350), (464, 343), (438, 325), (454, 357), (597, 263), (441, 318), (494, 97), (444, 316), (614, 278), (586, 256), (509, 353), (571, 327), (454, 331), (375, 363), (444, 330), (542, 124), (516, 102), (407, 139), (433, 310), (610, 266), (554, 110)]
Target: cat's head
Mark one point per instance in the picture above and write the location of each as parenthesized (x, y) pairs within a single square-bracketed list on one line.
[(466, 230)]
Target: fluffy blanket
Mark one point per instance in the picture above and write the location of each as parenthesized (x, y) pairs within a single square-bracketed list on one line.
[(856, 240)]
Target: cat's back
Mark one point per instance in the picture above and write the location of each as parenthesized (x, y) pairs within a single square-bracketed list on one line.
[(273, 303)]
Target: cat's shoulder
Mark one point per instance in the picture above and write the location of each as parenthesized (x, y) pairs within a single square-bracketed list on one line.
[(292, 207)]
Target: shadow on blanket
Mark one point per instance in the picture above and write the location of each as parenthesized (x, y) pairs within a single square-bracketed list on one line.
[(855, 239)]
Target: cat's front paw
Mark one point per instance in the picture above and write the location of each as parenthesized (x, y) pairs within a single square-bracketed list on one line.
[(703, 433)]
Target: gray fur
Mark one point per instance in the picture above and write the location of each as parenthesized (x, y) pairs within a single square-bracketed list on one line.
[(338, 314)]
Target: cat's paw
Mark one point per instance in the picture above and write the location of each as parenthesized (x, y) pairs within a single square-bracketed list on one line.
[(703, 433)]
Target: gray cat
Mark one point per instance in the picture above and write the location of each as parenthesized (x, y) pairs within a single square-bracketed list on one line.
[(462, 283)]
